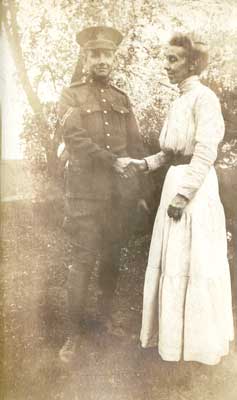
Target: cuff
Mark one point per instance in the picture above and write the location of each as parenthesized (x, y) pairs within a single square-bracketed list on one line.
[(153, 162), (182, 195), (187, 193)]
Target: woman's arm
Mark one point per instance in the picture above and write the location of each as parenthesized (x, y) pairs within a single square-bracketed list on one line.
[(209, 133), (150, 163), (157, 160)]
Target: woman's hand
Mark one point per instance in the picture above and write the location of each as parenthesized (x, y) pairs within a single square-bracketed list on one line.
[(120, 166), (137, 165), (176, 207), (128, 167)]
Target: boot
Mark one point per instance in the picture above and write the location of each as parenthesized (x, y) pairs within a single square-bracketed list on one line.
[(106, 317), (68, 351)]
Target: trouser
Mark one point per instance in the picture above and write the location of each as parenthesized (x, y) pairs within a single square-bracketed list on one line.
[(95, 229)]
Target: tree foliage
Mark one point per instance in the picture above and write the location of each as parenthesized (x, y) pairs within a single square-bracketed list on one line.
[(42, 37)]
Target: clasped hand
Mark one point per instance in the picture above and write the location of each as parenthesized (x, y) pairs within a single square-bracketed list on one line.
[(128, 167)]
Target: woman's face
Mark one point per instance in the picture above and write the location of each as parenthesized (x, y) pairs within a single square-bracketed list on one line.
[(177, 65)]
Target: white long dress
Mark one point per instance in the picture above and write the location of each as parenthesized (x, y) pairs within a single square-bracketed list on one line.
[(187, 305)]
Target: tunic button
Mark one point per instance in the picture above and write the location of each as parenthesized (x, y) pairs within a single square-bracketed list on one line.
[(107, 147), (106, 123), (102, 90), (105, 111), (104, 100), (107, 134), (88, 111)]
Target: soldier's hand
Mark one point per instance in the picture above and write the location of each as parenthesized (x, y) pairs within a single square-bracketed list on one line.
[(137, 165), (120, 167)]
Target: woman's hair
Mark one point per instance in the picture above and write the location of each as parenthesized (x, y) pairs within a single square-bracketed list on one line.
[(196, 51)]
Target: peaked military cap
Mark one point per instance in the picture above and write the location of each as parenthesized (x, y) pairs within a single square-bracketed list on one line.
[(99, 37)]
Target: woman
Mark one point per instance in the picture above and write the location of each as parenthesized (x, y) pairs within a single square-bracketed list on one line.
[(187, 308)]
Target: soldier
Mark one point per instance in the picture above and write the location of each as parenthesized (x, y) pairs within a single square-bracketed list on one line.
[(100, 134)]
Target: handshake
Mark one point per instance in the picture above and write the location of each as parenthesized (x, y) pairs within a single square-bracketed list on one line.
[(128, 167)]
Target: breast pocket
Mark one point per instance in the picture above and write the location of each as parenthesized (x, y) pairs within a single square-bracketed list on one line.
[(92, 119), (119, 115)]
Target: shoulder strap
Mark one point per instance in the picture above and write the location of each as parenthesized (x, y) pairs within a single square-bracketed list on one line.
[(118, 89), (77, 83)]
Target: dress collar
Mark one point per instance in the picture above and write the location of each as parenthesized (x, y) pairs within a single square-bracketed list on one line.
[(188, 84)]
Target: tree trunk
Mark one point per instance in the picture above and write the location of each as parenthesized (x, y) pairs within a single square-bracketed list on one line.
[(9, 16), (12, 31)]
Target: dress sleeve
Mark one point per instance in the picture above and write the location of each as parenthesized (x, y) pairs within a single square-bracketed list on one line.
[(209, 133), (76, 139)]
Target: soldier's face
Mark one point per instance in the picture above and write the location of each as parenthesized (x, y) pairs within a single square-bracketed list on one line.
[(177, 64), (99, 62)]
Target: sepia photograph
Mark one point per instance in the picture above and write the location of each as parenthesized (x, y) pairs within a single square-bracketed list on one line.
[(118, 189)]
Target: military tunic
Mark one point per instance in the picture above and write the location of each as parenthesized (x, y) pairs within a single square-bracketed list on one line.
[(98, 126)]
